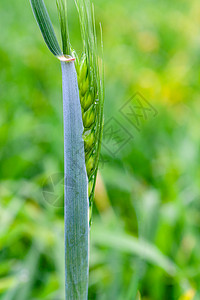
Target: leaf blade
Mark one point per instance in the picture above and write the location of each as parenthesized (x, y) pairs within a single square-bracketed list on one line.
[(46, 27), (132, 245)]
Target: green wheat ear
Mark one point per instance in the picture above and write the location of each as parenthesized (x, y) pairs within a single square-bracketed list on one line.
[(91, 86), (90, 80), (91, 104), (83, 99)]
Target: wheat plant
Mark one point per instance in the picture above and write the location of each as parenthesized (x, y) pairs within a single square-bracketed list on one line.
[(83, 99)]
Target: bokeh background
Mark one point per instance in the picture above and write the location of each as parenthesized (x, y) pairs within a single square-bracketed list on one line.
[(146, 222)]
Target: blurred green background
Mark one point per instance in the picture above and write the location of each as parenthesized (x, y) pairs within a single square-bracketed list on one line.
[(146, 222)]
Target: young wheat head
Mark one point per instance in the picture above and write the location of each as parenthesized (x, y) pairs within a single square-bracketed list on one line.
[(90, 75), (90, 82)]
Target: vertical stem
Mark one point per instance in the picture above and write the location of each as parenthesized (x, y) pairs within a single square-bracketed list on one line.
[(76, 194)]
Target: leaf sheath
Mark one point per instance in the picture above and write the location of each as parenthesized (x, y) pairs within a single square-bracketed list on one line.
[(76, 195)]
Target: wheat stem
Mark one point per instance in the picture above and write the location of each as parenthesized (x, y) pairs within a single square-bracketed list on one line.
[(76, 196)]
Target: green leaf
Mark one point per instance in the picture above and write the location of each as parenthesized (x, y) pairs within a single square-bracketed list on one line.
[(46, 27)]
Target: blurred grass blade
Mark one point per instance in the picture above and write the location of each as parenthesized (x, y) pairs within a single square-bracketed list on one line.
[(129, 244), (31, 268), (133, 286), (46, 27), (8, 215), (24, 280), (59, 257), (76, 194)]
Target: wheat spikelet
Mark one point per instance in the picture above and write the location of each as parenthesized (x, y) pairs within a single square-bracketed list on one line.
[(88, 93)]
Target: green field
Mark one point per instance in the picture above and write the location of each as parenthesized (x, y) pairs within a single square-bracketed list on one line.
[(146, 219)]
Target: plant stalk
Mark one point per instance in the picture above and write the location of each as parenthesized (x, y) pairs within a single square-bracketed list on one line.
[(76, 202)]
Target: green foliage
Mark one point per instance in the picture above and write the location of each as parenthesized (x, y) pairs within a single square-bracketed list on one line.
[(153, 181)]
